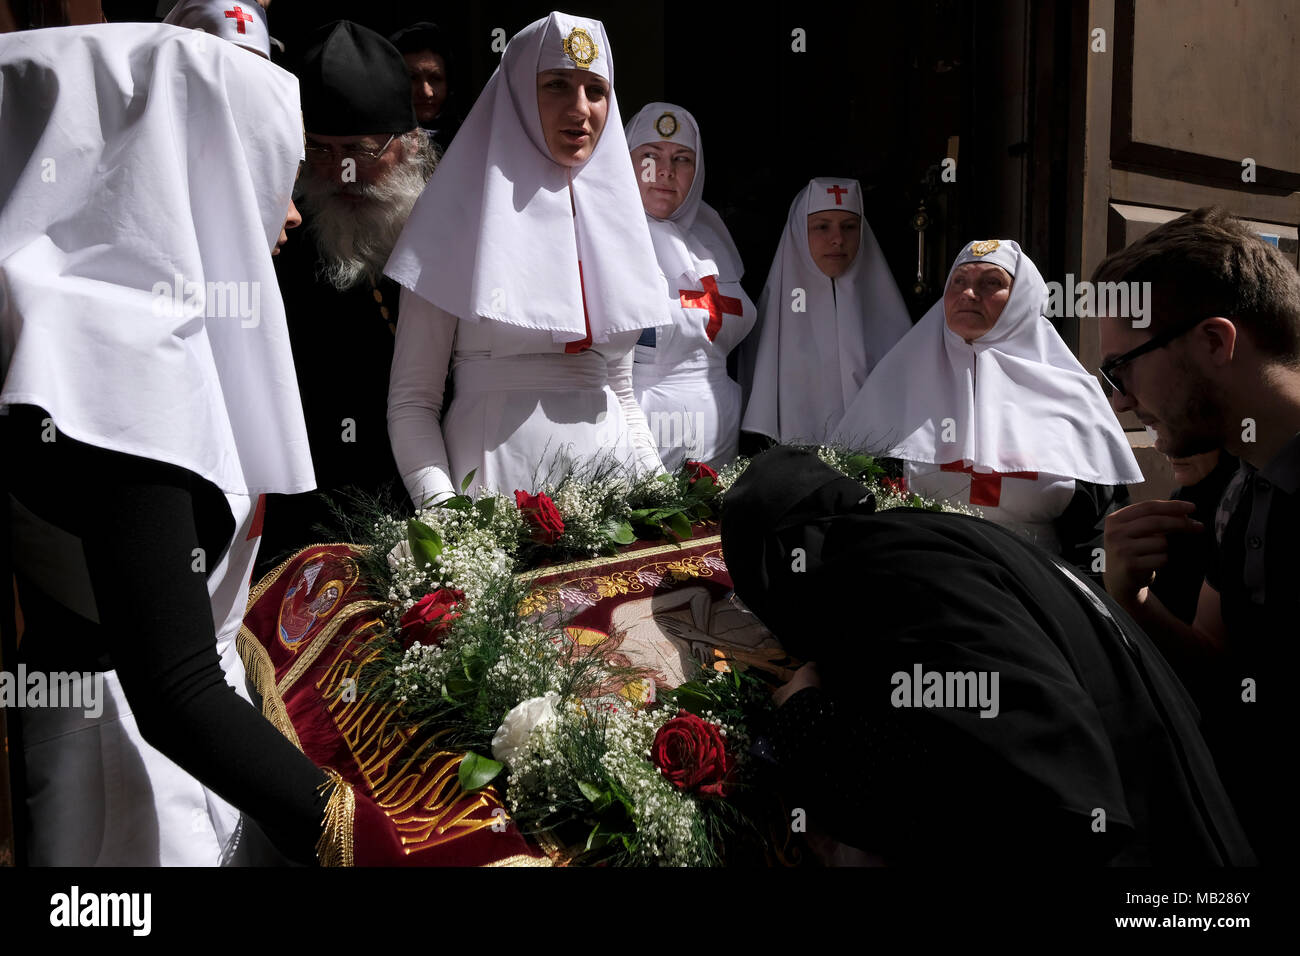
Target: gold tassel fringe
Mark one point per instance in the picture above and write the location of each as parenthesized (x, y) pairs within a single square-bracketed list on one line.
[(335, 846)]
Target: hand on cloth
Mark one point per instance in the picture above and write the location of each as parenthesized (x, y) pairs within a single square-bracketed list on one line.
[(803, 678)]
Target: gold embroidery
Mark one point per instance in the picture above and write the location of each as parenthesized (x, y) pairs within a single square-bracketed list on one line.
[(323, 640), (580, 47), (666, 125), (615, 583), (261, 672), (335, 846), (983, 247)]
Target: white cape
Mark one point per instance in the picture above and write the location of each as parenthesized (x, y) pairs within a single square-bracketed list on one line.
[(138, 159), (1015, 400)]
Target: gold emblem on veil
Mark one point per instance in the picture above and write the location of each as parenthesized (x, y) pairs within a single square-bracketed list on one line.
[(666, 125), (983, 247), (580, 47)]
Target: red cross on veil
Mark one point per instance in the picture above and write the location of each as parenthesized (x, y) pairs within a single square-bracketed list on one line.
[(240, 17), (839, 192), (986, 487), (711, 299)]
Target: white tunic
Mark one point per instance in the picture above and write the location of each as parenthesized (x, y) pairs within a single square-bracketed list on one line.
[(519, 403), (690, 402), (97, 793), (1026, 505)]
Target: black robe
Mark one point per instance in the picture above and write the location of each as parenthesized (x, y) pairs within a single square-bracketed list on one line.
[(1091, 718), (342, 351)]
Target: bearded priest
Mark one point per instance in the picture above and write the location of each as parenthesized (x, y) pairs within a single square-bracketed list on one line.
[(367, 162)]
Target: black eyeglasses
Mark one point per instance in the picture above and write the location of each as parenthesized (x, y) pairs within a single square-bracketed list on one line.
[(1109, 366)]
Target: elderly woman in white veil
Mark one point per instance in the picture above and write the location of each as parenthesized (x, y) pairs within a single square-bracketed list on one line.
[(986, 406), (528, 274), (680, 375)]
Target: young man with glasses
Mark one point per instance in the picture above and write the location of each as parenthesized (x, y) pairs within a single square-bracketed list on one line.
[(1219, 367)]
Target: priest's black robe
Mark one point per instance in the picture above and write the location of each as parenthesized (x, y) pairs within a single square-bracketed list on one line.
[(1094, 755), (342, 350)]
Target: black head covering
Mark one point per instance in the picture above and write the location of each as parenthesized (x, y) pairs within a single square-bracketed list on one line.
[(422, 36), (1090, 715), (354, 83), (431, 37)]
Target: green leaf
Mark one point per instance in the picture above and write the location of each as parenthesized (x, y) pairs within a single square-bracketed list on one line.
[(468, 478), (857, 464), (619, 531), (477, 772), (679, 525), (457, 687), (704, 487), (425, 543), (458, 503), (600, 799), (486, 507), (641, 514), (597, 839)]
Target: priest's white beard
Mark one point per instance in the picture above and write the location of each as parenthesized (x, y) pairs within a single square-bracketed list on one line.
[(354, 239)]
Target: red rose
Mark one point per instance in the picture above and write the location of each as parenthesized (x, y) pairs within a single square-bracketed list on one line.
[(698, 470), (692, 755), (430, 618), (542, 516), (897, 486)]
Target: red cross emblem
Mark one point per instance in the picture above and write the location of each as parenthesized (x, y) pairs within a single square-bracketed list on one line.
[(986, 487), (240, 17), (717, 304), (839, 192)]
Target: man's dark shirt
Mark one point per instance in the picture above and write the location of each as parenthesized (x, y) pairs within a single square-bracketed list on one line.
[(342, 351), (1178, 583), (1256, 570)]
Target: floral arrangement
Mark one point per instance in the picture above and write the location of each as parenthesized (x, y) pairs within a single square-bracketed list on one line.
[(585, 756)]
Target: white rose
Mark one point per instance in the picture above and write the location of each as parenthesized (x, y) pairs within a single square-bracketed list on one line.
[(511, 737), (402, 550)]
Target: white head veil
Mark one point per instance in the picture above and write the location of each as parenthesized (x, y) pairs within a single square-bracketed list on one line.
[(818, 338), (693, 241), (243, 24), (146, 176), (1016, 399), (493, 234)]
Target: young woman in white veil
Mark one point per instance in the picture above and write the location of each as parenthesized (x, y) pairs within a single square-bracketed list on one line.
[(528, 275)]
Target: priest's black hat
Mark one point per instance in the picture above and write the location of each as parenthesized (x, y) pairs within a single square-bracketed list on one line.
[(354, 83)]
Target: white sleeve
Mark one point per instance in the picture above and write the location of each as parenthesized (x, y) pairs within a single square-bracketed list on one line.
[(426, 336), (644, 449)]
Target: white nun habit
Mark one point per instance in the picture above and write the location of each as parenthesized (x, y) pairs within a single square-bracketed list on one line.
[(139, 307), (818, 337), (532, 281), (1008, 423), (680, 375)]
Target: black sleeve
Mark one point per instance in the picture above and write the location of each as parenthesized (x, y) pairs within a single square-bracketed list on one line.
[(1081, 528), (137, 522), (752, 444)]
